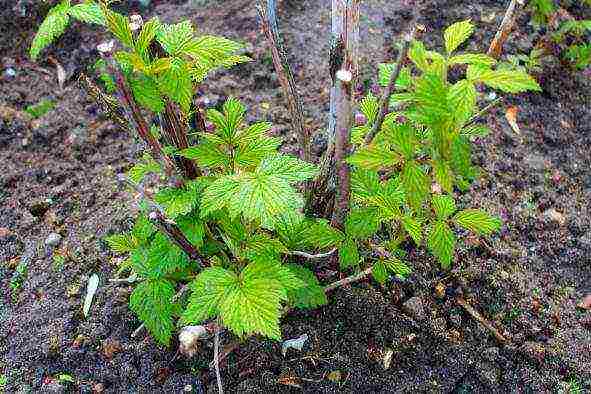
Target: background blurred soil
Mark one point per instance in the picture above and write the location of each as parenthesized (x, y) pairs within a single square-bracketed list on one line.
[(59, 177)]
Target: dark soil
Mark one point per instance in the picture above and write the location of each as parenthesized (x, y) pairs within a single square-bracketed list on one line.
[(59, 176)]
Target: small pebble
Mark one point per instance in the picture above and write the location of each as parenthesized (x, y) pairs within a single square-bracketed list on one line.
[(10, 72), (53, 239)]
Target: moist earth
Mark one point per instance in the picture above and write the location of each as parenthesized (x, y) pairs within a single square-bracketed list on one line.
[(59, 196)]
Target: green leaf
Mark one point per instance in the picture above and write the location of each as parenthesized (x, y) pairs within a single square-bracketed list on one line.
[(321, 235), (311, 295), (193, 228), (262, 195), (176, 83), (388, 199), (146, 92), (175, 38), (177, 201), (397, 267), (473, 58), (443, 175), (122, 243), (444, 206), (253, 304), (164, 257), (288, 168), (119, 25), (211, 51), (461, 99), (431, 95), (362, 223), (403, 139), (475, 130), (416, 184), (151, 301), (207, 155), (364, 184), (457, 34), (404, 81), (379, 272), (413, 228), (442, 242), (208, 290), (461, 157), (509, 81), (374, 157), (146, 35), (89, 12), (348, 254), (52, 27), (418, 55), (369, 106), (477, 221)]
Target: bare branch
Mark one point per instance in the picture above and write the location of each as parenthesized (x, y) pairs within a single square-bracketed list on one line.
[(268, 16), (313, 256), (485, 323), (385, 100), (216, 359), (496, 47), (348, 280)]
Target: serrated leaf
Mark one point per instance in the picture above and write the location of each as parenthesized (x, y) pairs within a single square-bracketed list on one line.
[(413, 228), (369, 107), (89, 12), (193, 228), (119, 26), (509, 81), (379, 272), (477, 221), (122, 243), (311, 295), (146, 92), (176, 83), (364, 184), (456, 34), (443, 175), (362, 223), (374, 157), (397, 267), (461, 99), (146, 35), (53, 26), (262, 195), (444, 206), (475, 130), (418, 55), (177, 202), (207, 155), (385, 71), (208, 290), (431, 95), (473, 58), (321, 235), (442, 242), (348, 254), (461, 157), (416, 184), (402, 138), (151, 301), (175, 38), (163, 257)]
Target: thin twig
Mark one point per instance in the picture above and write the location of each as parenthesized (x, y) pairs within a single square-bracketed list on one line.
[(496, 46), (483, 112), (485, 323), (348, 280), (216, 360), (312, 256), (163, 223), (385, 100), (178, 295), (268, 16)]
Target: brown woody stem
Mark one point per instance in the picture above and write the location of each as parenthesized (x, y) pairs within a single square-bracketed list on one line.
[(385, 100), (268, 16), (496, 47)]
